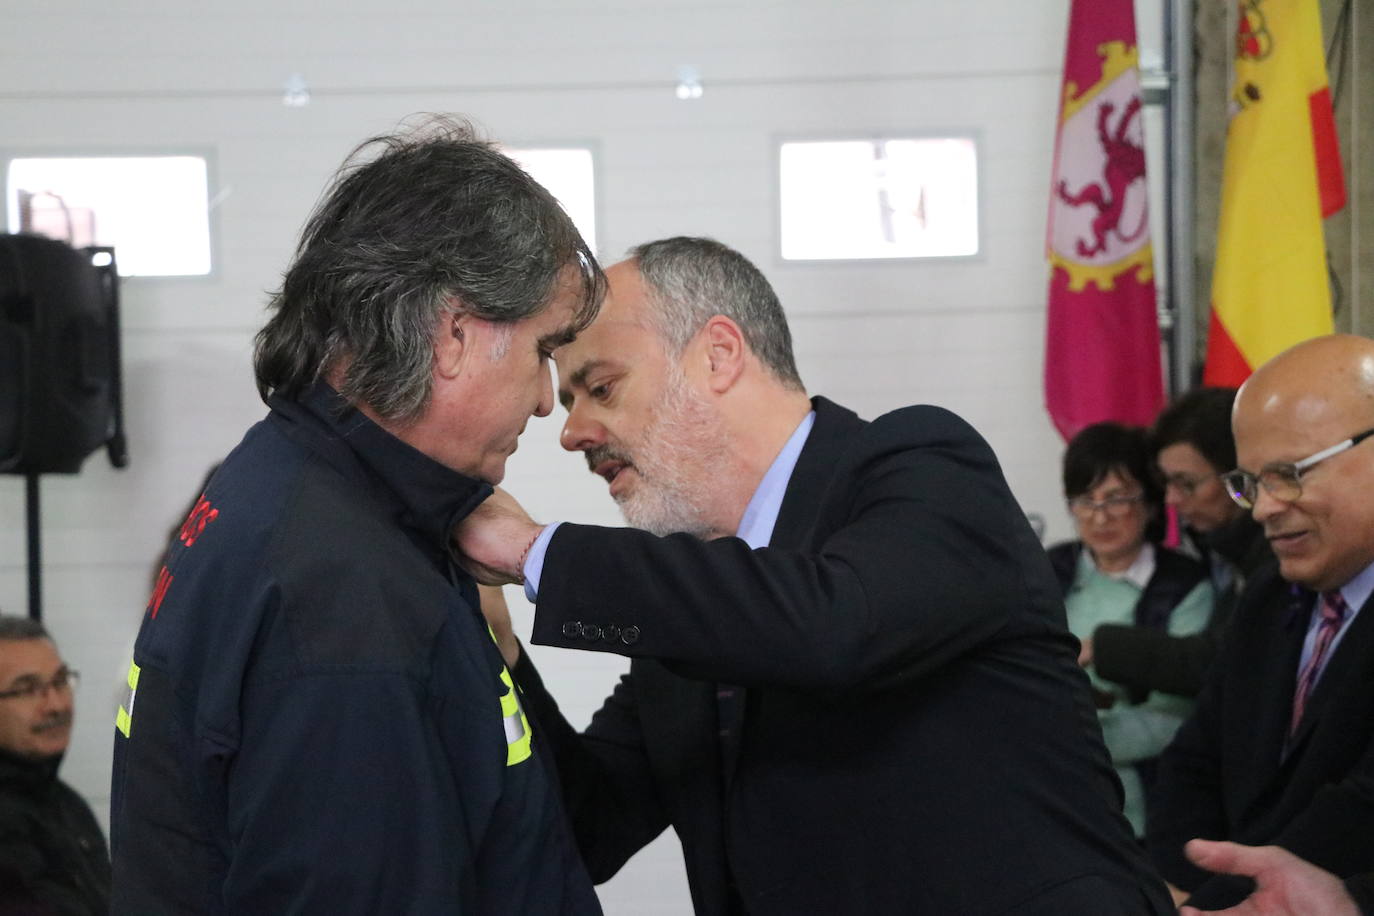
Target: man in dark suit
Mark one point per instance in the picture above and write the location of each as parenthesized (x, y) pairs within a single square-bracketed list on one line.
[(852, 688), (1280, 749)]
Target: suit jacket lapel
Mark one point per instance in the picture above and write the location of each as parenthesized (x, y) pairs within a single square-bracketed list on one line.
[(814, 470), (1339, 669), (1296, 613), (800, 504), (1258, 735)]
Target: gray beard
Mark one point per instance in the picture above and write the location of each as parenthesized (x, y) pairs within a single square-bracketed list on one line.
[(674, 463)]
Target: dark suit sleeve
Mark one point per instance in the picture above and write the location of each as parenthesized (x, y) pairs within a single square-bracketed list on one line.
[(1152, 659), (925, 560), (1149, 659), (605, 775)]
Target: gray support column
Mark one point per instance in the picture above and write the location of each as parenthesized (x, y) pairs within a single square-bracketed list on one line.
[(1213, 36), (1350, 232), (1181, 295)]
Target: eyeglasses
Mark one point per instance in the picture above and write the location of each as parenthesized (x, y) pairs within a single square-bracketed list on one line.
[(1083, 507), (33, 688), (1281, 480), (1186, 483)]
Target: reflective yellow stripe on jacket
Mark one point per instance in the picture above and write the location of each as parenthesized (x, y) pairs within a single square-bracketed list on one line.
[(124, 719)]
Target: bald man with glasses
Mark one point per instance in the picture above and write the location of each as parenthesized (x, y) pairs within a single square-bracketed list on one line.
[(1280, 748)]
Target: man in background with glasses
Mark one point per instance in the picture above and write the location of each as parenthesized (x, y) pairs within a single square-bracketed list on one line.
[(1193, 447), (53, 857), (1280, 749)]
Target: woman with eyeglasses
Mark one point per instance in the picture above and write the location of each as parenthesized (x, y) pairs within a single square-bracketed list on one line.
[(1193, 447), (1117, 573)]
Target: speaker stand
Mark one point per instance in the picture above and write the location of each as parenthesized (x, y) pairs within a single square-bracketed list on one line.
[(35, 546)]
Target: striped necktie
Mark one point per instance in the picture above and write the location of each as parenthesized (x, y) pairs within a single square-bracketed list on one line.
[(1334, 609)]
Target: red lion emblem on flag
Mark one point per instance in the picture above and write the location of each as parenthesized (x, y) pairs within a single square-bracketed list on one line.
[(1125, 165)]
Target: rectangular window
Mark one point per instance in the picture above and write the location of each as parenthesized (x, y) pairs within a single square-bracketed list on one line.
[(153, 210), (569, 175), (879, 198)]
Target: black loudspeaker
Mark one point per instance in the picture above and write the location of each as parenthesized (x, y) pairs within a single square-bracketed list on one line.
[(60, 392)]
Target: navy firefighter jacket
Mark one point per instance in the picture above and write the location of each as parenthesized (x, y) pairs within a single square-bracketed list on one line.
[(317, 719)]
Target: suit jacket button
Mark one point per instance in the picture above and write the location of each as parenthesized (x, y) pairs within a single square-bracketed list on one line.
[(572, 629), (610, 632), (629, 636), (591, 632)]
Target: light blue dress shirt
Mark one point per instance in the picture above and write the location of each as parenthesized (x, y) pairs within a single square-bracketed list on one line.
[(755, 526)]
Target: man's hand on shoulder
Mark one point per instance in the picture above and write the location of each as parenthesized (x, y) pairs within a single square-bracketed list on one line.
[(493, 540)]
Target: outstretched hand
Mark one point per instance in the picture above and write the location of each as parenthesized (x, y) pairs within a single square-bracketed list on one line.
[(493, 539), (1286, 885)]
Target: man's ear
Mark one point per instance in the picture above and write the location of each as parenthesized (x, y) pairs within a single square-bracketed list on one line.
[(452, 344), (725, 351)]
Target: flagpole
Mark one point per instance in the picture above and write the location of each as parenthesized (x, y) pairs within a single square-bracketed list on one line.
[(1183, 361)]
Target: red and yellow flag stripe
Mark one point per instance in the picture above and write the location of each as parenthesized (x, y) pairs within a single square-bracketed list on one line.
[(1282, 175)]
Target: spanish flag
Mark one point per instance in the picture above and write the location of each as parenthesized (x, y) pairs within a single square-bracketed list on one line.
[(1281, 177)]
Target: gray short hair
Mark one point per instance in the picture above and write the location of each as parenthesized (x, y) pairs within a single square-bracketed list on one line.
[(14, 629), (692, 279), (438, 222)]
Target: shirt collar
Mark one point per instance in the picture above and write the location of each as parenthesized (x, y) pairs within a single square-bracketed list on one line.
[(432, 496), (1137, 574), (756, 525), (1357, 591)]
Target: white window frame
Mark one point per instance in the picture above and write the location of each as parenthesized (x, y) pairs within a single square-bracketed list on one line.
[(873, 136), (8, 156), (516, 149)]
